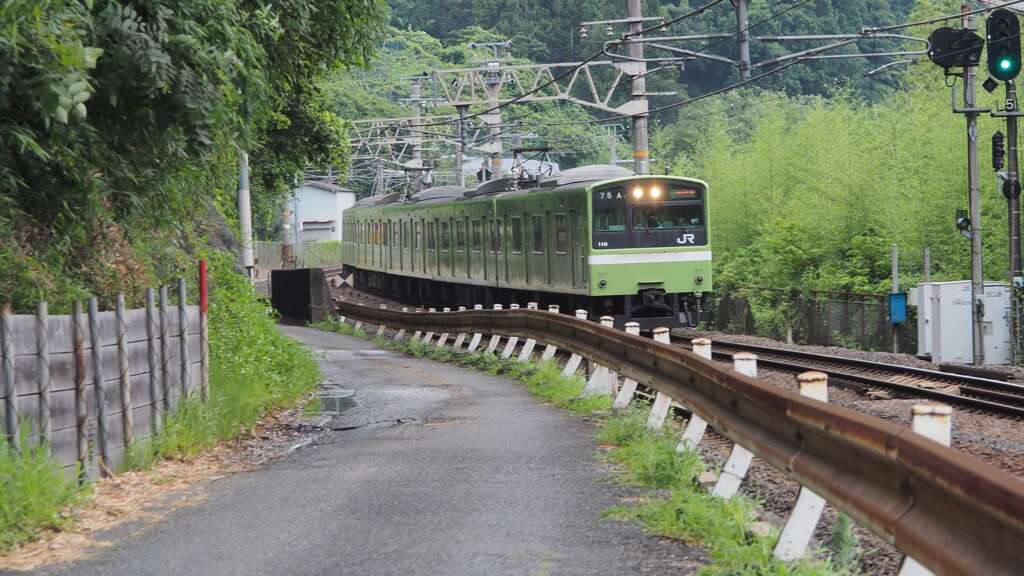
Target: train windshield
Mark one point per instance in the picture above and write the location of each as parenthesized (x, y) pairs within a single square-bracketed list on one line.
[(667, 216)]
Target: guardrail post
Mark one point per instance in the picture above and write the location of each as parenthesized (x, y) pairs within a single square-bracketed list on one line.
[(443, 338), (495, 338), (933, 421), (381, 326), (527, 349), (123, 381), (457, 345), (510, 346), (807, 511), (574, 360), (625, 395), (736, 466), (602, 380), (7, 372), (695, 428), (662, 402), (341, 319), (401, 331), (358, 325), (550, 349), (429, 335), (474, 342)]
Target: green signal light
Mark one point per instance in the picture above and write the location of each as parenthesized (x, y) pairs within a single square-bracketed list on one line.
[(1005, 64)]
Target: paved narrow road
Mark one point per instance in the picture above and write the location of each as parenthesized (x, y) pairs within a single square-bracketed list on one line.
[(437, 470)]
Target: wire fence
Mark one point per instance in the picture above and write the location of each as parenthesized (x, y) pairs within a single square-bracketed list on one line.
[(847, 319), (293, 255)]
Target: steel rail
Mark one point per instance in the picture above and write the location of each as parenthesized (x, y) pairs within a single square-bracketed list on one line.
[(950, 511), (974, 391)]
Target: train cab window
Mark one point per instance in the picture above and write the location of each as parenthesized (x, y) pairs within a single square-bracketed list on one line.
[(517, 235), (431, 243), (561, 234), (609, 210), (538, 235), (419, 236), (460, 236), (495, 226), (477, 240), (445, 237), (667, 216)]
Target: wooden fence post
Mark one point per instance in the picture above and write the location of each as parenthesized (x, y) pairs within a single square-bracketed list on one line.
[(81, 400), (186, 378), (127, 419), (99, 387), (165, 350), (43, 368), (7, 372), (204, 333), (152, 337)]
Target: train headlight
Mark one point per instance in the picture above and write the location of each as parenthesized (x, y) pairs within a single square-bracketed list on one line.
[(655, 192), (638, 193)]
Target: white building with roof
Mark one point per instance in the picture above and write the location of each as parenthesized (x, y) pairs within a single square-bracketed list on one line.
[(315, 211)]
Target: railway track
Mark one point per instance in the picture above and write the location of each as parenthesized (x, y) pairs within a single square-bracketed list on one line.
[(969, 391)]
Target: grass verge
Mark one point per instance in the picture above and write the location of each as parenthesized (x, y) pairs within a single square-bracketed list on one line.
[(683, 510)]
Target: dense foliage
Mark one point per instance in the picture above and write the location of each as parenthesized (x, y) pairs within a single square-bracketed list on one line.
[(121, 121)]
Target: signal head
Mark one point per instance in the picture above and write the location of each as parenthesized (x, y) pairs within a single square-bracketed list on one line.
[(1003, 35)]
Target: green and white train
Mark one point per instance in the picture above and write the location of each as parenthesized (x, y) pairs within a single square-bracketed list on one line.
[(596, 238)]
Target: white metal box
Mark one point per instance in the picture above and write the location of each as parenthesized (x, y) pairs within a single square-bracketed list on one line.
[(944, 322)]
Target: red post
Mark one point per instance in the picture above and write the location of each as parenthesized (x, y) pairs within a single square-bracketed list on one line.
[(203, 302)]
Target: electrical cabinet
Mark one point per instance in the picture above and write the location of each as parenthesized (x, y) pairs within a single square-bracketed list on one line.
[(944, 322)]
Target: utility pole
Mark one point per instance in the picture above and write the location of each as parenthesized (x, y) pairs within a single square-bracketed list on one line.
[(743, 38), (245, 213), (638, 90), (460, 147), (378, 187), (974, 206), (417, 138), (927, 256), (1011, 189), (895, 290), (613, 154)]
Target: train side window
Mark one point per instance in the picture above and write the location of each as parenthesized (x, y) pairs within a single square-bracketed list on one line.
[(385, 235), (405, 234), (460, 236), (538, 235), (431, 241), (561, 234), (496, 236), (394, 235), (477, 240), (517, 235), (445, 237), (419, 236)]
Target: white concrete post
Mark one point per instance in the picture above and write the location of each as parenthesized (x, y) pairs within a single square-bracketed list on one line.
[(341, 319), (429, 335), (510, 346), (934, 421), (457, 345), (736, 466), (696, 427), (443, 338), (358, 325), (495, 338), (401, 331), (550, 349), (527, 350), (474, 342), (804, 517), (602, 380), (574, 360), (662, 402), (625, 395)]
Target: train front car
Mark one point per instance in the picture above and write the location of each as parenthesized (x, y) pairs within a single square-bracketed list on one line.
[(650, 257)]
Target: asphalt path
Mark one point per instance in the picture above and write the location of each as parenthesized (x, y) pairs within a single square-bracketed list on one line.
[(436, 470)]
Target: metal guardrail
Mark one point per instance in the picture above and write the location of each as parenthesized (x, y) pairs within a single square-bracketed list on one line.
[(951, 512)]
